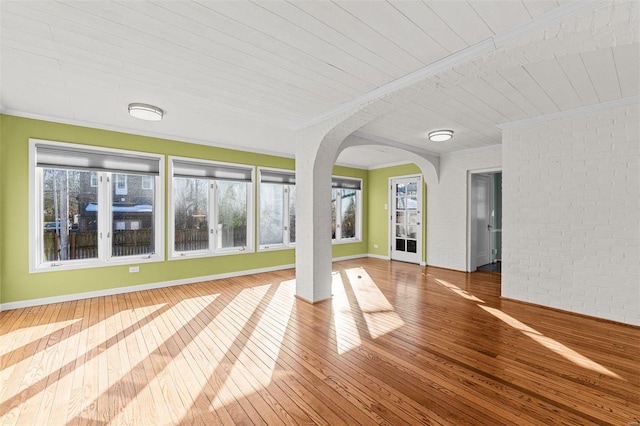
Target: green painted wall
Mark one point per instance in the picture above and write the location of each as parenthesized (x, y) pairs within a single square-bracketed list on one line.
[(17, 284), (378, 216), (497, 196)]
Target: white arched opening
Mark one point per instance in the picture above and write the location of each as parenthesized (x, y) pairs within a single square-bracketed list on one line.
[(315, 157)]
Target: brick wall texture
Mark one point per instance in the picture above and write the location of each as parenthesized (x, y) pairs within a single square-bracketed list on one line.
[(571, 214), (447, 206)]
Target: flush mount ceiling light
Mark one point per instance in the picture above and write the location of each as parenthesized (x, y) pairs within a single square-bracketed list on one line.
[(145, 112), (440, 135)]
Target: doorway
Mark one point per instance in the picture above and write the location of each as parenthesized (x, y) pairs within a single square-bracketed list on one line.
[(485, 221), (405, 199)]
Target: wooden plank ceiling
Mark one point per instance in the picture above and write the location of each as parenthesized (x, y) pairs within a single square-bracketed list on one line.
[(244, 74)]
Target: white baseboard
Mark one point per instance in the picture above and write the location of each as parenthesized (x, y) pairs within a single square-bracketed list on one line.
[(141, 287), (378, 256), (151, 286), (355, 256)]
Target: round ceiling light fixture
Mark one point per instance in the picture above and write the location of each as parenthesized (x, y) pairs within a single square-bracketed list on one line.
[(146, 112), (440, 135)]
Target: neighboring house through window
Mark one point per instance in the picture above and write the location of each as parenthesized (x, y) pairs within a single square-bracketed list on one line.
[(120, 184), (88, 208), (147, 182)]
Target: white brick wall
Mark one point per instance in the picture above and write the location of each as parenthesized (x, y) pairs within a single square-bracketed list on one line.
[(571, 214), (447, 207)]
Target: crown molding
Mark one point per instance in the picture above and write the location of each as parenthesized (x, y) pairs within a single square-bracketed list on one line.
[(557, 15), (111, 128), (570, 113), (387, 165), (352, 166)]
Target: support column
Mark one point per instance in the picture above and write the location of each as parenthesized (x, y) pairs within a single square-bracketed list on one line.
[(314, 166)]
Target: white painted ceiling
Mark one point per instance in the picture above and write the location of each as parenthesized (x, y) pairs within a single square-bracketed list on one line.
[(249, 74)]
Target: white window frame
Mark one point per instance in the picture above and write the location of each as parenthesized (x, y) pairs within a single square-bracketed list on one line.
[(146, 183), (286, 236), (120, 184), (212, 222), (105, 216), (358, 237)]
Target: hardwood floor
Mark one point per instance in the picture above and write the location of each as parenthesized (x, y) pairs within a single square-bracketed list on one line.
[(397, 344)]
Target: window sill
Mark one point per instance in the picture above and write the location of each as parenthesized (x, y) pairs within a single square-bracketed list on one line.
[(346, 241), (94, 264), (201, 254), (276, 247)]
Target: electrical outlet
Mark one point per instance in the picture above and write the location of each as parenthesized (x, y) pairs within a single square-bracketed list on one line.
[(133, 269), (375, 246)]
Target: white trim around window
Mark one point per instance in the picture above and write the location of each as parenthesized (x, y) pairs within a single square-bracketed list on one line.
[(347, 190), (203, 187), (93, 169), (277, 209)]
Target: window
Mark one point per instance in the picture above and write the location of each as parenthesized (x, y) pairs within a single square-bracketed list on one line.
[(191, 214), (88, 209), (232, 200), (346, 209), (147, 182), (121, 184), (211, 208), (277, 209)]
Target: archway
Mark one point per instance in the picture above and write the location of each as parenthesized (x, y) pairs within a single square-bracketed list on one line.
[(316, 154)]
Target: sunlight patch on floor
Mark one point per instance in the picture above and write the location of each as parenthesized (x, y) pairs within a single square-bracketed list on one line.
[(378, 313), (457, 290), (163, 328), (217, 340), (17, 338), (551, 344), (347, 336), (255, 365), (103, 334)]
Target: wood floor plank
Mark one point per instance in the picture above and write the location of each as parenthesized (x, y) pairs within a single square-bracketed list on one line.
[(220, 393), (153, 364), (242, 382), (168, 363), (53, 374), (327, 370), (397, 344), (57, 412), (232, 315), (27, 373), (76, 391), (340, 367)]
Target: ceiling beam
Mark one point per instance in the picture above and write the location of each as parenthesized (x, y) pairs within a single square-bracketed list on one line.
[(559, 14)]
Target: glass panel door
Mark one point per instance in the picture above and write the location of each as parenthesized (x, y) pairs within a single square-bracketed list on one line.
[(406, 219)]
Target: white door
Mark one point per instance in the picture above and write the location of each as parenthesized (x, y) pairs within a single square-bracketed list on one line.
[(406, 219), (481, 218)]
